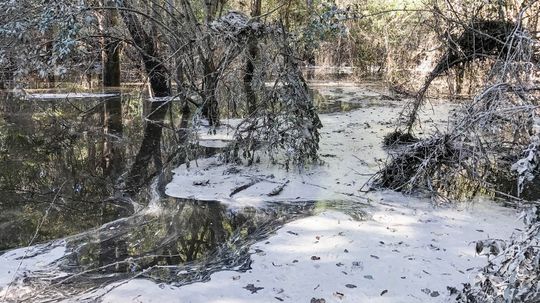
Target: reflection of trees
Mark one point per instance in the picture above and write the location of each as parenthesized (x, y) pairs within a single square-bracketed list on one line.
[(176, 241), (43, 144), (112, 165), (150, 147), (85, 143), (181, 232), (112, 161), (191, 237)]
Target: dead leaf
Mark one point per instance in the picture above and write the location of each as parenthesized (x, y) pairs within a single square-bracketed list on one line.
[(254, 289), (201, 182)]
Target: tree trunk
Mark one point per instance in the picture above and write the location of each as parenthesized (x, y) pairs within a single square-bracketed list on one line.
[(110, 54), (178, 68), (210, 108), (49, 49), (252, 55), (112, 124), (460, 74), (154, 67), (6, 76), (310, 51)]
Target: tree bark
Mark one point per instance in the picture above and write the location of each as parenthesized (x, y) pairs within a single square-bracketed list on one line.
[(110, 54), (210, 108), (49, 49), (252, 55)]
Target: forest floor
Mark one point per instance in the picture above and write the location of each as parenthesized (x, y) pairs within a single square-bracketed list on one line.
[(405, 249)]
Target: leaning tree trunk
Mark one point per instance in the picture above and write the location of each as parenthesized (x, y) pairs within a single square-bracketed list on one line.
[(481, 39), (150, 148), (155, 69)]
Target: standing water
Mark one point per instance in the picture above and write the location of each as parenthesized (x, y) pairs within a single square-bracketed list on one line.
[(68, 222)]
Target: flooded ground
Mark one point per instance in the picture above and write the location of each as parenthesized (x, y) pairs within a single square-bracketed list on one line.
[(65, 161), (79, 224), (77, 151)]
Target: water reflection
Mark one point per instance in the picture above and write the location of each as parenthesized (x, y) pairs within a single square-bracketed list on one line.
[(173, 241), (112, 165), (46, 143), (176, 238), (336, 103), (112, 160), (85, 153), (150, 148)]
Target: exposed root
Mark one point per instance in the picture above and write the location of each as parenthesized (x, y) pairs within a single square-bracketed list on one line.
[(398, 137), (420, 164)]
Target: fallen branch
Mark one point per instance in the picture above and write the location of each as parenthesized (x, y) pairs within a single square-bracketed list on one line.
[(244, 187), (277, 190)]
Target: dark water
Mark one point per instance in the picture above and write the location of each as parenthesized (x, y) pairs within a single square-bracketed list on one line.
[(329, 104), (334, 99), (78, 153), (64, 172), (72, 152)]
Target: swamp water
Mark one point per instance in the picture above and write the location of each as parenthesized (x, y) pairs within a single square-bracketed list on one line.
[(67, 225)]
